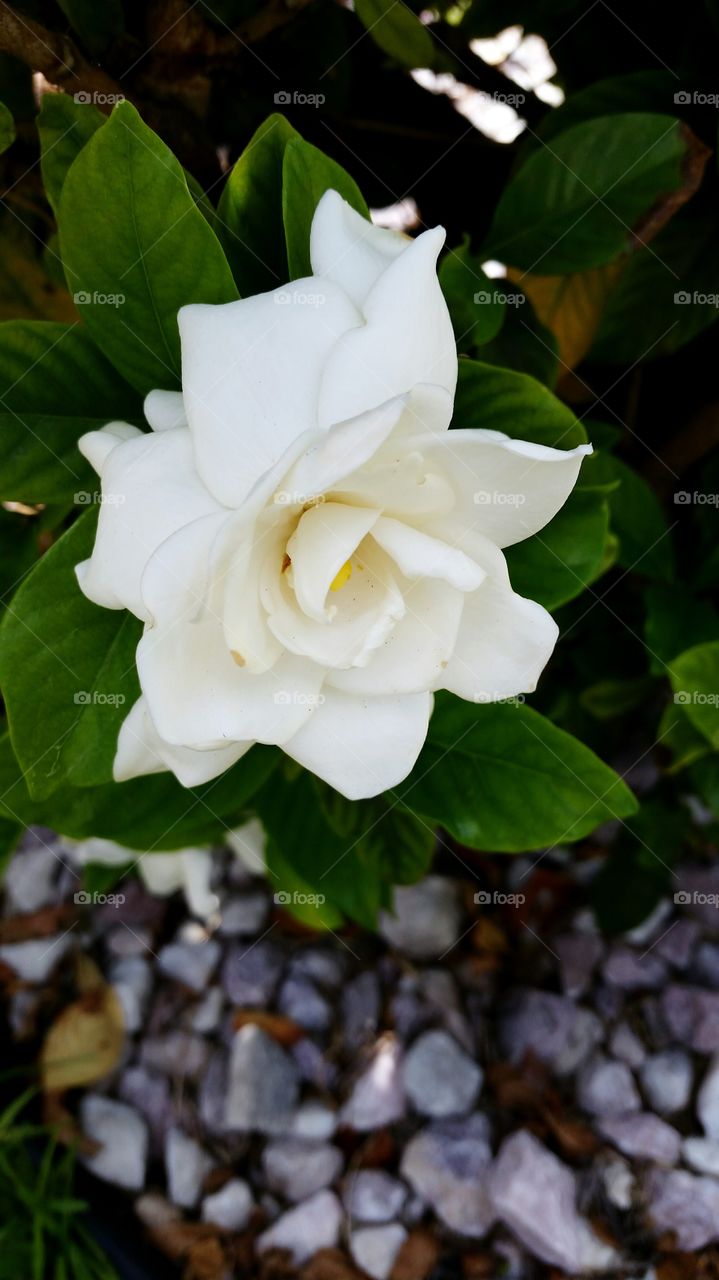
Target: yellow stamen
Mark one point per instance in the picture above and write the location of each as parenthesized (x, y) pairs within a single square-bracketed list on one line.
[(237, 657), (343, 576)]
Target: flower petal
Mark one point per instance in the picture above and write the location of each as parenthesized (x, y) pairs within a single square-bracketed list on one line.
[(512, 488), (362, 746), (141, 750), (96, 446), (504, 641), (327, 535), (251, 373), (419, 555), (416, 652), (407, 338), (165, 410), (150, 488), (348, 249)]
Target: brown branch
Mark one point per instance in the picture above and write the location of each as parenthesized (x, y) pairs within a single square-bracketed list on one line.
[(56, 56)]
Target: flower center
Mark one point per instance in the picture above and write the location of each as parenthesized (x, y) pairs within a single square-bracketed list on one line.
[(342, 576)]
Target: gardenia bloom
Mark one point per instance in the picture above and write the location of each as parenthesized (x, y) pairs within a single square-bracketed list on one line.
[(311, 551)]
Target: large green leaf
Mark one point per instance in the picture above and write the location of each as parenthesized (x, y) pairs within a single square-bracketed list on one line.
[(676, 620), (398, 32), (501, 777), (54, 385), (695, 681), (136, 248), (250, 222), (67, 670), (64, 126), (645, 544), (560, 561), (583, 198), (146, 813), (476, 303), (306, 174), (503, 400)]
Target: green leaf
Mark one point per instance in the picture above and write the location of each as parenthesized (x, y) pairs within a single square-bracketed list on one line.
[(677, 734), (136, 248), (147, 813), (67, 670), (610, 698), (476, 303), (582, 199), (524, 343), (54, 385), (64, 126), (250, 210), (676, 620), (638, 871), (306, 174), (96, 24), (565, 557), (695, 681), (680, 273), (479, 761), (397, 31), (638, 520), (18, 550), (7, 128), (504, 400)]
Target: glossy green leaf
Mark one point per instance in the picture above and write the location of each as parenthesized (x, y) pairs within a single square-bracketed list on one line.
[(398, 32), (67, 670), (581, 200), (645, 545), (96, 24), (675, 620), (65, 126), (7, 128), (250, 224), (478, 762), (566, 556), (306, 174), (498, 399), (476, 303), (136, 248), (695, 681)]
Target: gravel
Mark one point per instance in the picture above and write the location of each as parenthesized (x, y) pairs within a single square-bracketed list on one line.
[(440, 1079), (263, 1084)]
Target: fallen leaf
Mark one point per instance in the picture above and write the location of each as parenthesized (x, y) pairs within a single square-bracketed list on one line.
[(283, 1030), (417, 1258), (85, 1041)]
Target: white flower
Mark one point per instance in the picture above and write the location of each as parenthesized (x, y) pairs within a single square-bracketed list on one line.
[(187, 869), (311, 551)]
